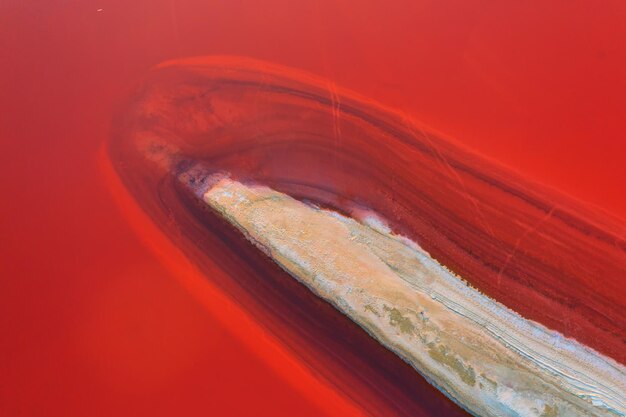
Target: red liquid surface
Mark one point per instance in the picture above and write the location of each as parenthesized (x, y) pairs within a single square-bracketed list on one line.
[(94, 323)]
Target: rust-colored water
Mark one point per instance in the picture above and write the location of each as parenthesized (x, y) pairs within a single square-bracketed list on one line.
[(94, 322)]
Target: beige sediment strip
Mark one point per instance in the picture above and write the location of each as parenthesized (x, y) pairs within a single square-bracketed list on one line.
[(484, 356)]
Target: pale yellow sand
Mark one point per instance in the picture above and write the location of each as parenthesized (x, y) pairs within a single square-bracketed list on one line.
[(487, 358)]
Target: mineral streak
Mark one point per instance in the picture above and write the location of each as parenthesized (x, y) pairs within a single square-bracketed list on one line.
[(487, 358)]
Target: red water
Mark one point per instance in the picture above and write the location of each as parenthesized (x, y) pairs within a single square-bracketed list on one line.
[(94, 324)]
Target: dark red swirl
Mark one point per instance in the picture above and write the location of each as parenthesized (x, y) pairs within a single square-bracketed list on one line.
[(541, 254)]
